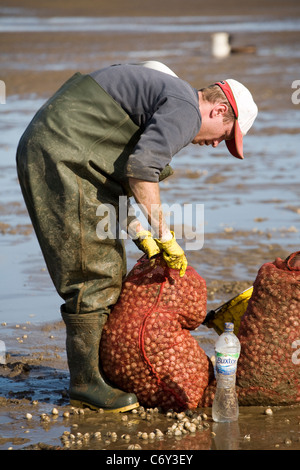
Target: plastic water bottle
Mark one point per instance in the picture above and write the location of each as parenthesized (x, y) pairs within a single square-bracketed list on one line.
[(227, 350)]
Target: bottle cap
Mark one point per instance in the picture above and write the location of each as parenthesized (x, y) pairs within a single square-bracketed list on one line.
[(229, 326)]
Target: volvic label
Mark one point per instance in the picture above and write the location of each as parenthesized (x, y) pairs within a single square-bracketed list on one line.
[(226, 363)]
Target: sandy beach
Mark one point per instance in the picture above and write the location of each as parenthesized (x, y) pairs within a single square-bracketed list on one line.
[(252, 209)]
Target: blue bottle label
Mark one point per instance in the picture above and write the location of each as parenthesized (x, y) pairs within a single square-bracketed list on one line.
[(226, 363)]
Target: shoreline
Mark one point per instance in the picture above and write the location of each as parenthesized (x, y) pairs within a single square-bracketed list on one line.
[(154, 9), (34, 381)]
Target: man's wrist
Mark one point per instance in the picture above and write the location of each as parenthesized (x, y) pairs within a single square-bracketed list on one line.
[(166, 236)]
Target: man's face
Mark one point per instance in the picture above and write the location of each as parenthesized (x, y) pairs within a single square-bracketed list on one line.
[(213, 132), (213, 128)]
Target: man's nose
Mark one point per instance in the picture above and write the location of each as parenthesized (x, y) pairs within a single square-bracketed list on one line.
[(216, 142)]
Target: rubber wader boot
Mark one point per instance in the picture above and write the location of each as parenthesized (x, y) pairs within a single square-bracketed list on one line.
[(88, 387)]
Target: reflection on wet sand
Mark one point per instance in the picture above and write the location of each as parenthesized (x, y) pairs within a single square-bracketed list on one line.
[(251, 208)]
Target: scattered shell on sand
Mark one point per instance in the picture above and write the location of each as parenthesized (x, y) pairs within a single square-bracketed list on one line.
[(183, 423)]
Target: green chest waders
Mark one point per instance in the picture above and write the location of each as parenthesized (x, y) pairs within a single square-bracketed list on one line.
[(70, 161)]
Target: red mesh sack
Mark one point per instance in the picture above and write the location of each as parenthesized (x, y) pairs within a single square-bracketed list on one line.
[(268, 370), (146, 345)]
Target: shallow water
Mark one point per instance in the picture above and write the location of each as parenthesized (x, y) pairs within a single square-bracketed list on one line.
[(258, 196), (251, 207), (149, 25), (260, 193)]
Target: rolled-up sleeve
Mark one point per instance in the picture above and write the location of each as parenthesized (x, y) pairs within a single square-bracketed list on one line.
[(173, 126)]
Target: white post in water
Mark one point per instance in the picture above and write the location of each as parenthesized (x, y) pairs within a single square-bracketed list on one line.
[(2, 92), (2, 352), (220, 45)]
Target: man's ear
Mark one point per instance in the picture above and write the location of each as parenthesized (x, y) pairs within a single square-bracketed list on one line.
[(219, 110)]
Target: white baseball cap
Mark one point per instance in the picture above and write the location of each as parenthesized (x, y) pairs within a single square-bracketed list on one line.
[(245, 111), (155, 65)]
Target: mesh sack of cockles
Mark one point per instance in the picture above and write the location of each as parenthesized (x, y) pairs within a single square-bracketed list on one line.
[(268, 371), (146, 345)]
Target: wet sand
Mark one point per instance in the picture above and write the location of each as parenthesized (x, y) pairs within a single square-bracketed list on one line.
[(34, 379), (35, 413)]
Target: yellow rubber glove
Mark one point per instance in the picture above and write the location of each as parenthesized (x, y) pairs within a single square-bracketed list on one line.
[(173, 254), (146, 243)]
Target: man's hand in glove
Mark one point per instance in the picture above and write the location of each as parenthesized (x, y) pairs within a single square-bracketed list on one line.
[(173, 254), (147, 194), (146, 243)]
